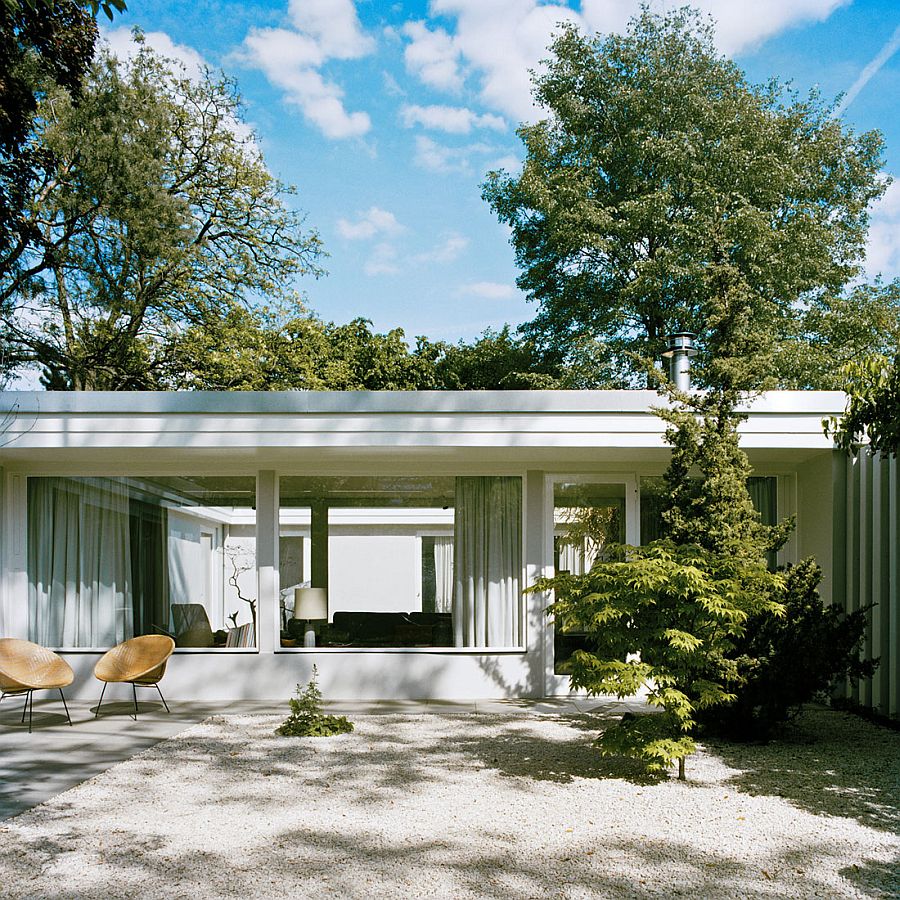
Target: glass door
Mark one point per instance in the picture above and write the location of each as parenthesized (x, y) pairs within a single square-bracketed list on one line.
[(589, 514)]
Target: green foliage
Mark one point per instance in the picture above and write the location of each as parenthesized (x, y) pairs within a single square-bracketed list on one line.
[(288, 348), (664, 192), (706, 499), (670, 615), (44, 48), (496, 361), (872, 414), (307, 718), (837, 332), (262, 349), (785, 661), (160, 214), (664, 615)]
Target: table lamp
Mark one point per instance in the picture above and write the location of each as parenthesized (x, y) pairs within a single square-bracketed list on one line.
[(309, 604)]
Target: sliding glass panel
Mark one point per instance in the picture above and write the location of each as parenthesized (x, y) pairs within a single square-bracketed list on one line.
[(403, 561), (111, 558), (587, 517)]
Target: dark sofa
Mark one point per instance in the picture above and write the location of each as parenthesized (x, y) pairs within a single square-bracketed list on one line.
[(387, 629)]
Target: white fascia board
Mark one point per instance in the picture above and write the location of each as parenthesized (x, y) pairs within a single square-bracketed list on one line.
[(63, 421)]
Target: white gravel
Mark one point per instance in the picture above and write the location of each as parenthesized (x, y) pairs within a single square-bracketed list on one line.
[(463, 806)]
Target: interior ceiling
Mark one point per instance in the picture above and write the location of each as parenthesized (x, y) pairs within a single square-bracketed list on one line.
[(367, 491)]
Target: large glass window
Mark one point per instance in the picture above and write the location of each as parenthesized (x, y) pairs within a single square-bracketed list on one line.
[(587, 517), (111, 558), (402, 561)]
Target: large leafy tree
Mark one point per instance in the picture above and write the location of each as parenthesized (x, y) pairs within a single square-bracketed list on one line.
[(664, 192), (42, 47), (158, 215)]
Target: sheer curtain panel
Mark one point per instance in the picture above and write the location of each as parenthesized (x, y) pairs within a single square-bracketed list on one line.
[(79, 562), (487, 561)]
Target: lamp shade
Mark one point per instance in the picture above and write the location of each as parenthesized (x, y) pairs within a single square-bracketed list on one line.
[(310, 603)]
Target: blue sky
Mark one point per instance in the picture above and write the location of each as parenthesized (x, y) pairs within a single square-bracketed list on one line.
[(387, 115)]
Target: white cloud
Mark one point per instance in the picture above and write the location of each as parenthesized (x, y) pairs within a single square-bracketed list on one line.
[(121, 43), (883, 250), (447, 251), (383, 260), (497, 43), (452, 119), (385, 257), (368, 224), (489, 290), (508, 163), (743, 26), (291, 58), (333, 25), (445, 160), (433, 56)]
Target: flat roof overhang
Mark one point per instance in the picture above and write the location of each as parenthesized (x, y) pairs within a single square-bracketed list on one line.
[(397, 428)]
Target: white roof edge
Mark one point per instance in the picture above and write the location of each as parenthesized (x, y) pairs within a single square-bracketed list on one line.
[(349, 402)]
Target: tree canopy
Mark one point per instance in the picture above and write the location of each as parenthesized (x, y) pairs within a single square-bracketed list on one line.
[(158, 215), (664, 192)]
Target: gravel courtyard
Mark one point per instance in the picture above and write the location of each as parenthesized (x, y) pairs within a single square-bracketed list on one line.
[(498, 806)]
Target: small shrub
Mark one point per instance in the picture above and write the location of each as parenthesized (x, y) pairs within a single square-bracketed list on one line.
[(307, 718), (784, 662)]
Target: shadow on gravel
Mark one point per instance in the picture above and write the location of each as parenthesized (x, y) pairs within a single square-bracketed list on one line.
[(302, 862), (517, 751), (828, 763)]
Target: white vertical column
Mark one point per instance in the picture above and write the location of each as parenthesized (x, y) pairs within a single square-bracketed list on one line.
[(536, 624), (267, 613), (15, 562)]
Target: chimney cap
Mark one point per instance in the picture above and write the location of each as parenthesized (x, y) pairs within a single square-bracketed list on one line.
[(680, 341)]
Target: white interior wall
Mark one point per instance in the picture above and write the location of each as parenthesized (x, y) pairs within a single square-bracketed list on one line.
[(374, 573)]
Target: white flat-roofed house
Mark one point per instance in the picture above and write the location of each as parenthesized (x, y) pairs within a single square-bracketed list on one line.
[(422, 516)]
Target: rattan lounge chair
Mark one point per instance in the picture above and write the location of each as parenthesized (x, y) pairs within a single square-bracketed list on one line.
[(26, 668), (140, 662)]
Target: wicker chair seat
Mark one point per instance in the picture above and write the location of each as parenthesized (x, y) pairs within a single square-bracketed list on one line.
[(25, 666), (140, 660)]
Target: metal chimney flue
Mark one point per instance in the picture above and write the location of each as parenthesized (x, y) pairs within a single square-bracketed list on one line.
[(679, 351)]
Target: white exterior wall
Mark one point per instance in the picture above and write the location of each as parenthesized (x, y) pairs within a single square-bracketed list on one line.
[(534, 435), (815, 497)]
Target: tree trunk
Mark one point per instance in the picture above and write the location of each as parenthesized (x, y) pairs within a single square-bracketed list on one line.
[(681, 769)]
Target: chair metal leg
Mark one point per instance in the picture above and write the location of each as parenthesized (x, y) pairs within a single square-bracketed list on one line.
[(25, 707), (65, 706), (97, 713), (166, 705), (134, 694), (30, 710)]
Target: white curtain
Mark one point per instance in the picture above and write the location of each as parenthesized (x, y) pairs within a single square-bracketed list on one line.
[(79, 562), (573, 558), (443, 574), (488, 562)]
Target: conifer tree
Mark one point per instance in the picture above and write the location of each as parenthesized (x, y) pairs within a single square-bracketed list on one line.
[(666, 616)]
